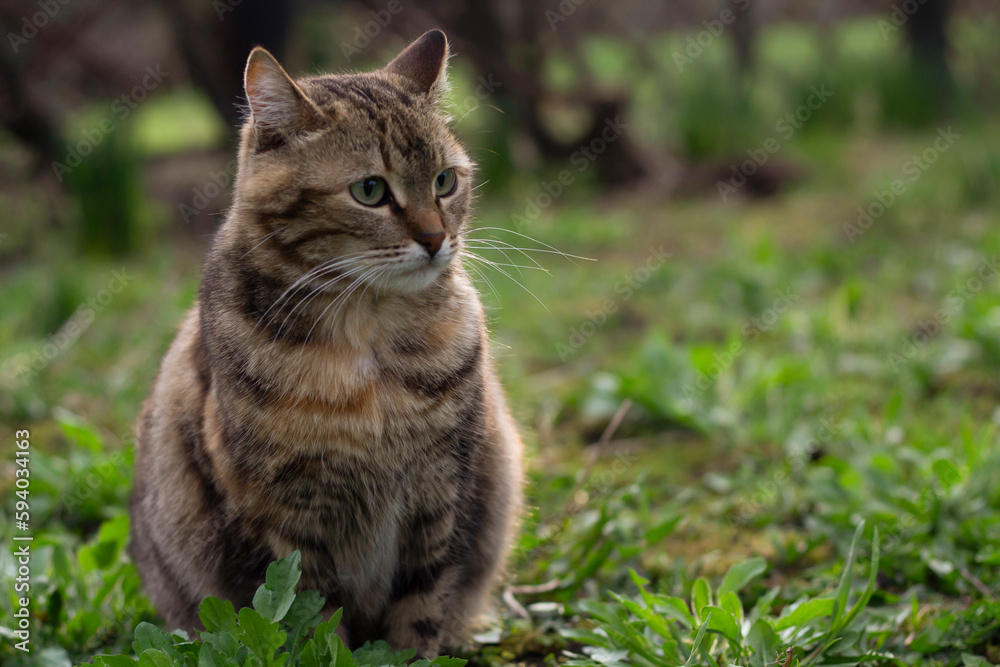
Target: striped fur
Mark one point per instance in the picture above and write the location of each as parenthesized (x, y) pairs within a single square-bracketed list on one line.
[(352, 414)]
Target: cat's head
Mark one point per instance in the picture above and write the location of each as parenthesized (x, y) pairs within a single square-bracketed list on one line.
[(356, 172)]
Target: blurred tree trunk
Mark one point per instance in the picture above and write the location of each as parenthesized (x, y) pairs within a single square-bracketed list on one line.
[(216, 38), (22, 117), (927, 32)]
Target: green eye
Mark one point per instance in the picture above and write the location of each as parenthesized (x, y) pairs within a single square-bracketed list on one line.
[(370, 191), (445, 183)]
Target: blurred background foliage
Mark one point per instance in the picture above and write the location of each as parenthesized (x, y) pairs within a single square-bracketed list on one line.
[(116, 155)]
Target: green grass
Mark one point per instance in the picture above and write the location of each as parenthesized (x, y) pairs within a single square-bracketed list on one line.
[(732, 517)]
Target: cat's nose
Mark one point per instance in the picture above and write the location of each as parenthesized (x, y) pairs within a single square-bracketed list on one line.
[(427, 229), (431, 242)]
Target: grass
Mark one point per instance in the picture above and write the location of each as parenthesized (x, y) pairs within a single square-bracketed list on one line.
[(808, 474)]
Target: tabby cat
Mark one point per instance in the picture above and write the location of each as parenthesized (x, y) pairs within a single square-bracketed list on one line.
[(331, 391)]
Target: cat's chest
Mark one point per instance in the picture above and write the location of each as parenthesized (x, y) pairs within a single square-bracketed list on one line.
[(351, 516), (334, 401)]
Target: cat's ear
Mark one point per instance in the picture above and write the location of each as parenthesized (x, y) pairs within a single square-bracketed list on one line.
[(278, 107), (424, 62)]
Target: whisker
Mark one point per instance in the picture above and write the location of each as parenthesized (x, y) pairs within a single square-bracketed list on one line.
[(550, 250), (504, 253), (519, 267), (512, 278), (264, 240), (310, 275), (477, 108), (342, 298), (490, 246), (473, 267), (316, 292), (484, 148)]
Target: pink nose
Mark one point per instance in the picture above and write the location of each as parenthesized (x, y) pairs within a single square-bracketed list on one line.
[(432, 241)]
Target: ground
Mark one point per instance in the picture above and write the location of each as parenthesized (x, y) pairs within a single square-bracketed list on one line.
[(792, 367)]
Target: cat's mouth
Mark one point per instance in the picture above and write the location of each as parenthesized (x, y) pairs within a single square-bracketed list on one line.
[(418, 273)]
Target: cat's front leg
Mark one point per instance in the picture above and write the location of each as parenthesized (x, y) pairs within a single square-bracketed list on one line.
[(419, 618), (423, 588)]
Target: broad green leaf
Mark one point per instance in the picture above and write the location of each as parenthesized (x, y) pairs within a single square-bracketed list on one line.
[(723, 623), (114, 661), (671, 606), (661, 530), (80, 434), (329, 627), (223, 642), (445, 661), (155, 658), (261, 636), (731, 603), (765, 644), (623, 632), (654, 621), (209, 656), (637, 579), (741, 574), (277, 593), (217, 615), (763, 605), (805, 612), (586, 637), (302, 616), (379, 653), (313, 655), (339, 655), (115, 530), (83, 625), (701, 596), (326, 649), (148, 636), (97, 556)]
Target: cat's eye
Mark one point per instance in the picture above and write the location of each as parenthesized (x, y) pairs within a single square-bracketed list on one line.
[(370, 191), (445, 183)]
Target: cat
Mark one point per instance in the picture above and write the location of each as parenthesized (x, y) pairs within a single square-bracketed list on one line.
[(331, 390)]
